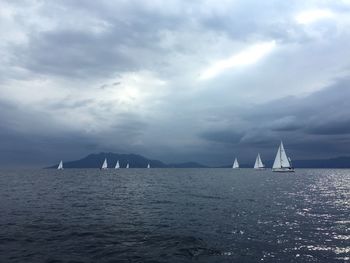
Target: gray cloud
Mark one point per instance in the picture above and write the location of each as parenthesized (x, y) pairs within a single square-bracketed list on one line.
[(287, 123), (82, 76), (331, 128), (70, 104), (74, 53), (225, 136), (315, 125)]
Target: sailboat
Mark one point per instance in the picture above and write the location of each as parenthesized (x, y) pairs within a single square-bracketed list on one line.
[(104, 165), (282, 163), (60, 166), (148, 166), (117, 166), (258, 163), (127, 165), (235, 164)]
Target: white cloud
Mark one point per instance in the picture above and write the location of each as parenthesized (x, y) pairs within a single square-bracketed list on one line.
[(310, 16), (246, 57)]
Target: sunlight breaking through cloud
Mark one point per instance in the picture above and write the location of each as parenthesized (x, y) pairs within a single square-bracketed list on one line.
[(311, 16), (248, 56)]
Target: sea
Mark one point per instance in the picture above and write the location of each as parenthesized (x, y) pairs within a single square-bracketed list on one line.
[(174, 215)]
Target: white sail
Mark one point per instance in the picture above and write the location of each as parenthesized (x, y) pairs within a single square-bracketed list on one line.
[(235, 164), (104, 165), (281, 160), (127, 165), (148, 166), (258, 163), (117, 166), (60, 166)]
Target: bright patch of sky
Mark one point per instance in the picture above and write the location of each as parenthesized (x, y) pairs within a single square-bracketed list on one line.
[(246, 57), (310, 16)]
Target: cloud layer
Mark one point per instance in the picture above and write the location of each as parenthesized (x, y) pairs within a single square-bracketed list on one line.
[(175, 80)]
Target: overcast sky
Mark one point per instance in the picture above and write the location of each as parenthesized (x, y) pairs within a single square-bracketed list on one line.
[(173, 80)]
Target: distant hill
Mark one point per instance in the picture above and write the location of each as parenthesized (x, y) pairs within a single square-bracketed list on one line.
[(338, 162), (138, 161), (135, 161)]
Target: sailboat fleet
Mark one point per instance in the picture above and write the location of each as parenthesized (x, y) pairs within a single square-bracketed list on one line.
[(282, 162), (105, 165)]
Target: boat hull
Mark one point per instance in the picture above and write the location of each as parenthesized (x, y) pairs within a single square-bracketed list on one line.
[(283, 170)]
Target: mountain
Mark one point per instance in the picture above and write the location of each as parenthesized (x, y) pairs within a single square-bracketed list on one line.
[(138, 161), (135, 161)]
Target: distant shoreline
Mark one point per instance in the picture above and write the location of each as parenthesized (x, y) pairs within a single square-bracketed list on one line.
[(139, 161)]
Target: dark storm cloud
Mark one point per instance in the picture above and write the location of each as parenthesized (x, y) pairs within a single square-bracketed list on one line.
[(288, 123), (224, 136), (122, 41), (22, 142), (74, 53), (129, 126), (335, 127), (82, 76), (127, 35), (26, 150), (307, 124)]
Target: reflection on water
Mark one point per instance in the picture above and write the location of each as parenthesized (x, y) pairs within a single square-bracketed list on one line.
[(174, 215)]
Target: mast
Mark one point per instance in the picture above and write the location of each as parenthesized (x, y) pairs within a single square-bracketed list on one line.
[(261, 165), (260, 162), (284, 159), (281, 147)]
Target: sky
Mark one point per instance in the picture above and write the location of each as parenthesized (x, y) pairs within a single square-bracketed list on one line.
[(173, 80)]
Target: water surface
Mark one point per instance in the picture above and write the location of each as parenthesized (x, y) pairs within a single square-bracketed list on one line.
[(174, 215)]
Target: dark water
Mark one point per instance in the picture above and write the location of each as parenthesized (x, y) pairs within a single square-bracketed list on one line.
[(174, 215)]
